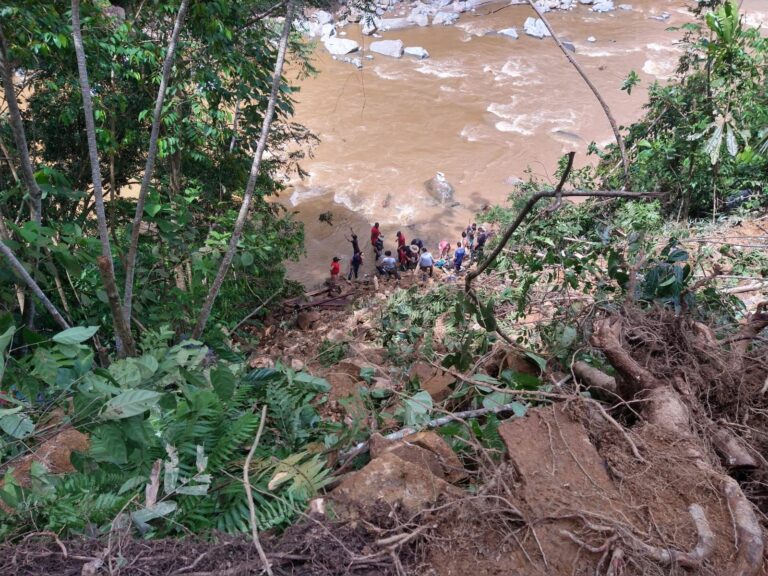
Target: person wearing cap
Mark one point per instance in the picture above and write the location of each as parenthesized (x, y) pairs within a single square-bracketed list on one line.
[(417, 242), (413, 257), (426, 262), (335, 268)]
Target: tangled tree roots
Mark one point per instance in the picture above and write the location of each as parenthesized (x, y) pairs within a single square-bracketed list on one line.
[(707, 393)]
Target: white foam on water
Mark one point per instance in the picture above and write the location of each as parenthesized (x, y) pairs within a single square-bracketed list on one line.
[(656, 47), (474, 28), (526, 124), (388, 74), (661, 68), (304, 193), (442, 69), (519, 68), (602, 53)]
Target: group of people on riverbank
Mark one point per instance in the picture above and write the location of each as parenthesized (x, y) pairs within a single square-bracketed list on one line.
[(415, 256)]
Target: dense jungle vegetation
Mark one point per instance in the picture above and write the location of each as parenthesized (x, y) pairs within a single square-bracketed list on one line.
[(116, 307)]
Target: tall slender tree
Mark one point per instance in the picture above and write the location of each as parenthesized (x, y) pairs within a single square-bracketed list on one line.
[(19, 136), (242, 216), (130, 261), (106, 263)]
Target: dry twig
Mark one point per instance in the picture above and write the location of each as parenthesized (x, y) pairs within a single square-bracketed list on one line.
[(249, 493)]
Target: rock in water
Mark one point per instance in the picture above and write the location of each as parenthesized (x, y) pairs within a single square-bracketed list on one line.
[(394, 23), (340, 46), (417, 51), (510, 32), (535, 27), (603, 6), (445, 18), (419, 18), (323, 17), (439, 188), (569, 45), (369, 24), (393, 48)]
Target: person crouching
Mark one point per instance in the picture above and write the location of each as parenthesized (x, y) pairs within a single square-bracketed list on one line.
[(388, 266)]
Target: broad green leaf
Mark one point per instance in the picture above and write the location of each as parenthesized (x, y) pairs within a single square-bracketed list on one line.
[(366, 373), (159, 510), (9, 411), (5, 340), (193, 490), (223, 382), (484, 378), (75, 335), (130, 403), (418, 408), (132, 484), (126, 373), (519, 409), (17, 425), (496, 399), (108, 445), (315, 383), (540, 362), (152, 209)]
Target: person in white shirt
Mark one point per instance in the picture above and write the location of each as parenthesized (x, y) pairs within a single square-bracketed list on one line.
[(426, 262), (388, 266)]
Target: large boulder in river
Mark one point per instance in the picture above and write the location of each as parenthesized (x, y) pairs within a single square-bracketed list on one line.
[(340, 46), (440, 189), (394, 23), (535, 27), (392, 48)]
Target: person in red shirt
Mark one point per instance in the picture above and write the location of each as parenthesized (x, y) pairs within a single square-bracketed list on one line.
[(400, 240), (335, 268), (377, 241)]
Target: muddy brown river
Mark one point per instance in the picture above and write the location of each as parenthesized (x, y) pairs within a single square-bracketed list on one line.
[(482, 109)]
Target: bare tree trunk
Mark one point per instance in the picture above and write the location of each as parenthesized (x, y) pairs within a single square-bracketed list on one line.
[(130, 260), (262, 144), (5, 236), (17, 126), (9, 161), (32, 285), (234, 126), (122, 328), (593, 88)]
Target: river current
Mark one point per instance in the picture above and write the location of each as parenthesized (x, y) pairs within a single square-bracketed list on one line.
[(483, 109)]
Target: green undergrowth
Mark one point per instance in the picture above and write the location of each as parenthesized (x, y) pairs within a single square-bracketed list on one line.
[(183, 414)]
